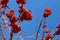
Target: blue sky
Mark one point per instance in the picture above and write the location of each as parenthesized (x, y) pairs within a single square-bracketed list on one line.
[(37, 8)]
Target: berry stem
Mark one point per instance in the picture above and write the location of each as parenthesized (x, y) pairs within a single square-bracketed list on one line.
[(43, 28), (39, 29), (11, 35)]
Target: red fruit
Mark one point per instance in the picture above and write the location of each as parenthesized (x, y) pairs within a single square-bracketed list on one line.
[(13, 19), (57, 32), (25, 14), (11, 11), (22, 9), (29, 15), (47, 31), (47, 12), (25, 17), (4, 6), (58, 26), (21, 18), (48, 36), (0, 2), (10, 14), (4, 1), (15, 28), (45, 15), (4, 37), (21, 1), (9, 24), (44, 26)]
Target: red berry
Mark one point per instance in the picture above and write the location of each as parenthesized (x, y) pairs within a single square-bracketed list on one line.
[(57, 32), (58, 26), (48, 36), (44, 26), (47, 12), (47, 31), (13, 19), (25, 14), (21, 1), (10, 14), (15, 28), (42, 38)]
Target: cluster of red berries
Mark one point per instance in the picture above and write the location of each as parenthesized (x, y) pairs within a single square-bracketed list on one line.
[(15, 27), (49, 36), (57, 32), (21, 1), (3, 3), (47, 12), (24, 13)]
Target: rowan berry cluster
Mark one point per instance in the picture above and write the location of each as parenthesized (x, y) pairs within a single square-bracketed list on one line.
[(24, 15)]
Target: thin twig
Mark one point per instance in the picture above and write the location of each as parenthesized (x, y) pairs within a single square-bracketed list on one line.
[(11, 35), (8, 8), (38, 29), (43, 28)]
